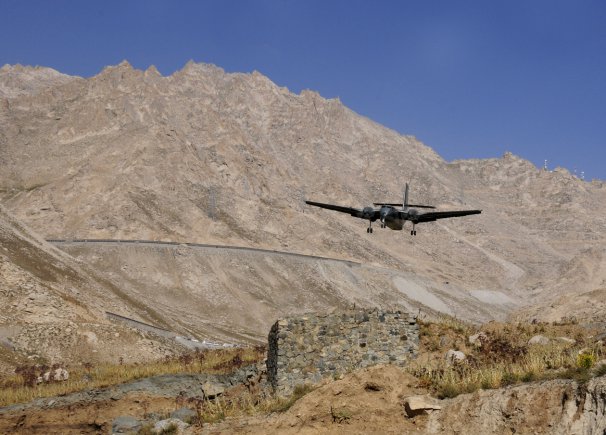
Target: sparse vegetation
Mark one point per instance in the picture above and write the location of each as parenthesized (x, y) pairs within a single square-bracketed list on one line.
[(585, 360), (282, 405), (147, 429), (600, 370), (503, 356), (22, 386), (340, 415), (244, 403)]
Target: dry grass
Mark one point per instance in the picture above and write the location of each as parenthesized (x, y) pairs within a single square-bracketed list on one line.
[(22, 386), (244, 403), (504, 357)]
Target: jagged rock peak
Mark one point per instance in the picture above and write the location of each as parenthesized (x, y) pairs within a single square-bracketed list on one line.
[(122, 66), (8, 67), (124, 70), (125, 64), (311, 95), (192, 67), (17, 68), (153, 71)]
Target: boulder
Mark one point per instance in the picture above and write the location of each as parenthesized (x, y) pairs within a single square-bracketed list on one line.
[(60, 375), (57, 375), (417, 405), (477, 339), (454, 356), (184, 414), (539, 339), (212, 390), (125, 424)]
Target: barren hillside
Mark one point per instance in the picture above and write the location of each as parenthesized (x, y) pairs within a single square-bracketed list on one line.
[(54, 307), (210, 157)]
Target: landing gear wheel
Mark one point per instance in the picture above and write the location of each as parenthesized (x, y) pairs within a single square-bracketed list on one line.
[(370, 230)]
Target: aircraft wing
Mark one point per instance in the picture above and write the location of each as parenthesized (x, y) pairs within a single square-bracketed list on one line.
[(356, 212), (435, 215)]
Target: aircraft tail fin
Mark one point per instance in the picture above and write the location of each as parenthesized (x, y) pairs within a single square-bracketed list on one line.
[(406, 205)]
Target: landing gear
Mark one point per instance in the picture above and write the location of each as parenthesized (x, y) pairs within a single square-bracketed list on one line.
[(369, 229), (413, 232)]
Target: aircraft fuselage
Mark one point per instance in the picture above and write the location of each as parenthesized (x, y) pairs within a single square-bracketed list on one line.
[(392, 218)]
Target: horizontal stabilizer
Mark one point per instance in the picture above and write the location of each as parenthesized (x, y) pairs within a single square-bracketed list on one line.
[(420, 206), (378, 204)]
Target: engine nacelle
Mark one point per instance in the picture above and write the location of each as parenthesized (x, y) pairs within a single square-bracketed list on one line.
[(368, 212)]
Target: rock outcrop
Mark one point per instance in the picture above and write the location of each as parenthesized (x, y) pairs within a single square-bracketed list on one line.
[(551, 407)]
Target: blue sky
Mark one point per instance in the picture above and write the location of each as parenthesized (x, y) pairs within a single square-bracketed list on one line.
[(468, 78)]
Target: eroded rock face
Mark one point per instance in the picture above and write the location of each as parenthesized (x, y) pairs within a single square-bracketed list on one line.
[(553, 407)]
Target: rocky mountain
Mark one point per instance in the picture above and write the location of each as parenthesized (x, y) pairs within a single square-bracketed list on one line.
[(211, 157)]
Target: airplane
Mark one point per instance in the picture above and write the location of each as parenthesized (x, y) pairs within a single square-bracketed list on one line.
[(394, 218)]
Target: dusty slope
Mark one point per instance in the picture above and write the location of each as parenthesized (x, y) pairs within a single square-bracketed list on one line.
[(205, 156), (53, 308), (229, 294)]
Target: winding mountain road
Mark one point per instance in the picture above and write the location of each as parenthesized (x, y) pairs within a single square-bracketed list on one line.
[(161, 244)]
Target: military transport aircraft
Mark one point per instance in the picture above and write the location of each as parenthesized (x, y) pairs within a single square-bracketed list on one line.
[(394, 218)]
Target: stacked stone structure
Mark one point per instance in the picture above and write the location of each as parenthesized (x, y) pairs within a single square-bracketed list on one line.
[(309, 348)]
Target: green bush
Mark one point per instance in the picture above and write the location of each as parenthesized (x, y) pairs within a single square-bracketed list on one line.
[(585, 360), (509, 378), (448, 391), (529, 376)]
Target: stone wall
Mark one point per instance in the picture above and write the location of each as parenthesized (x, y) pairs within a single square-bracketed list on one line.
[(309, 348)]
